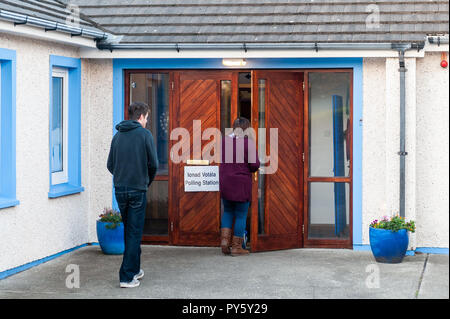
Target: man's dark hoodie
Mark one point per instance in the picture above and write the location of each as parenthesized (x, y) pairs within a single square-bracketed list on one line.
[(132, 158)]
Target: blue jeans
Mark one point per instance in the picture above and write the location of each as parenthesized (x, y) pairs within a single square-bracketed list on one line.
[(238, 211), (132, 204)]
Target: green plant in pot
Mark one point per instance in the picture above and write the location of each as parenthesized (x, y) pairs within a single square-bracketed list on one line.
[(389, 238), (110, 232)]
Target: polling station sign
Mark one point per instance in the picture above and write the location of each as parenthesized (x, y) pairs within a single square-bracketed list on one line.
[(201, 178)]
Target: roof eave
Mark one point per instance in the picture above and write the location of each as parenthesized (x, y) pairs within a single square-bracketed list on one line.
[(102, 45), (48, 25)]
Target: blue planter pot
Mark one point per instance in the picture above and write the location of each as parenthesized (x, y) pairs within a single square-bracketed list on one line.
[(111, 240), (388, 246)]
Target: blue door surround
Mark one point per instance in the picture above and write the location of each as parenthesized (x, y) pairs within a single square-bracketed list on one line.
[(119, 65)]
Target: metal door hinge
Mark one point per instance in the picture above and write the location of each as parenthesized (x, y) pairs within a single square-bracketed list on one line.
[(303, 157), (303, 85), (303, 229), (171, 226), (172, 85)]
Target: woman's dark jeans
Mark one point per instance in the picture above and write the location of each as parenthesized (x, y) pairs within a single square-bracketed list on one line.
[(132, 203), (238, 211)]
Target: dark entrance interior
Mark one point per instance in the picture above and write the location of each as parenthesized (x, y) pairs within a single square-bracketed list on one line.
[(244, 109), (245, 95)]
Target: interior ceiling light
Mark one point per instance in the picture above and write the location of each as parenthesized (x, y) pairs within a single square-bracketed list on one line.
[(234, 62)]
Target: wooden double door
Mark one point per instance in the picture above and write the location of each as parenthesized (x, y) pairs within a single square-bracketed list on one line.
[(204, 100)]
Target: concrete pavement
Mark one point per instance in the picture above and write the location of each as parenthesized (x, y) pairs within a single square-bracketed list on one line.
[(204, 273)]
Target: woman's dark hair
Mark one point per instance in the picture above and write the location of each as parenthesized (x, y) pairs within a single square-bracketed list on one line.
[(136, 109), (242, 123)]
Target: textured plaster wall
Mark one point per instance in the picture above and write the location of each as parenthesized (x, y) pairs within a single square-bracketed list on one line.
[(374, 139), (381, 141), (432, 166), (39, 226), (98, 102), (427, 127)]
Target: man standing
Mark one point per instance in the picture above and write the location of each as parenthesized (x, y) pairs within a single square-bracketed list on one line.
[(133, 162)]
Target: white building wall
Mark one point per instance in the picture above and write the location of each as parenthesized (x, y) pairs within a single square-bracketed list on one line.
[(432, 165), (98, 102), (374, 172), (39, 227), (427, 127)]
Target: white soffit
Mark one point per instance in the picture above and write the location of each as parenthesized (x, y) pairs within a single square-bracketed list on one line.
[(208, 53), (41, 34)]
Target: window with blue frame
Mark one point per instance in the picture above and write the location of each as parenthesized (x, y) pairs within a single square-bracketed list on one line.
[(58, 126), (65, 126), (8, 128)]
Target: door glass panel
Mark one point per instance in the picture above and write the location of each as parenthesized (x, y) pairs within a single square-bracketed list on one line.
[(328, 210), (56, 129), (329, 121), (225, 113), (225, 105), (153, 89), (244, 105), (262, 153), (156, 219)]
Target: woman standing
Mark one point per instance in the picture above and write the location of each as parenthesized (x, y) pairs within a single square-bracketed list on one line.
[(239, 161)]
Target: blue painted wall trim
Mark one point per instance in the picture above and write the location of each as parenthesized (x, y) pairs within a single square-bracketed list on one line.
[(73, 65), (425, 250), (8, 129), (64, 190), (257, 63), (29, 265), (432, 250), (8, 202), (367, 248), (357, 151), (119, 65), (361, 247)]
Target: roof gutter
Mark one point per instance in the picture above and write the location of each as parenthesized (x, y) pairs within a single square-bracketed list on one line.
[(103, 45), (438, 40), (48, 25)]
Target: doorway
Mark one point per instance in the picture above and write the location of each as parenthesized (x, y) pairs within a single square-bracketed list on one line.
[(306, 115), (270, 99)]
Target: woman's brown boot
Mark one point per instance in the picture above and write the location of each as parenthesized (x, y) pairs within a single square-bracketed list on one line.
[(225, 240), (236, 247)]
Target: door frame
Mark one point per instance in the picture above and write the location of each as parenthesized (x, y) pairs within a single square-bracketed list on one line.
[(326, 243), (172, 238)]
